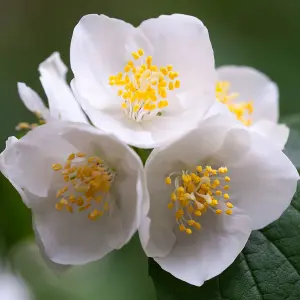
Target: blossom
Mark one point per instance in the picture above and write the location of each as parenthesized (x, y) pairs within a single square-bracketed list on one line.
[(12, 287), (147, 84), (253, 98), (84, 188), (62, 104), (208, 190)]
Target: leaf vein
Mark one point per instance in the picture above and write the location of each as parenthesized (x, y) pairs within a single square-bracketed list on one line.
[(280, 251), (252, 275)]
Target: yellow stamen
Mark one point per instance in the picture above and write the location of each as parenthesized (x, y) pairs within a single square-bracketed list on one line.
[(56, 167), (195, 192), (144, 87), (90, 179), (241, 109)]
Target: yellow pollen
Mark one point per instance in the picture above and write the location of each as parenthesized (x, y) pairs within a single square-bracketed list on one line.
[(229, 205), (144, 87), (90, 180), (80, 154), (168, 180), (182, 227), (196, 193), (173, 197), (71, 156), (241, 109), (228, 211), (188, 231), (226, 196), (56, 167)]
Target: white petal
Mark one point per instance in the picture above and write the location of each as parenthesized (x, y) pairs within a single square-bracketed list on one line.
[(32, 101), (101, 47), (129, 185), (13, 287), (72, 238), (255, 86), (263, 180), (27, 162), (61, 100), (276, 133), (93, 62), (3, 167), (75, 240), (183, 41), (193, 59), (185, 153), (209, 251), (56, 268)]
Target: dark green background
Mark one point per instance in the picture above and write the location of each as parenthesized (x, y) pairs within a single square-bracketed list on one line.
[(264, 34)]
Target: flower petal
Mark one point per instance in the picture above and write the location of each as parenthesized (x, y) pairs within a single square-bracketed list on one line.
[(183, 41), (276, 133), (253, 85), (93, 62), (32, 101), (129, 184), (27, 162), (60, 97), (263, 179), (101, 47), (156, 230), (72, 238), (12, 287), (209, 251)]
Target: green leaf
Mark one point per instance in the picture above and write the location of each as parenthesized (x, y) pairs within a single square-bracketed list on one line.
[(292, 147), (268, 268)]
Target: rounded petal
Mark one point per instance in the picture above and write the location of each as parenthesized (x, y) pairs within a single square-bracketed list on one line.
[(207, 253), (93, 62), (262, 184), (276, 133), (252, 85), (27, 162), (13, 287), (184, 153), (101, 47), (62, 103), (263, 179), (72, 238), (129, 184), (183, 41), (32, 101)]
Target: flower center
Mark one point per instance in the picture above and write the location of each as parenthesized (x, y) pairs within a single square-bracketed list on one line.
[(88, 180), (144, 87), (195, 192), (242, 110)]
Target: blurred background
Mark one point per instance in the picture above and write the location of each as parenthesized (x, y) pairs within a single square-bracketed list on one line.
[(262, 34)]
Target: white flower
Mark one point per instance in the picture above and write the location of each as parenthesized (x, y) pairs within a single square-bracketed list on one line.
[(62, 104), (253, 98), (147, 84), (84, 188), (12, 287), (208, 190)]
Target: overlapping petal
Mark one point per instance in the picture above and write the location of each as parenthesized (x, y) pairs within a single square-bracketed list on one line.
[(73, 238), (102, 46)]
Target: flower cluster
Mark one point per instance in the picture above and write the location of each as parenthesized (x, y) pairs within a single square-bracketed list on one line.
[(217, 170)]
